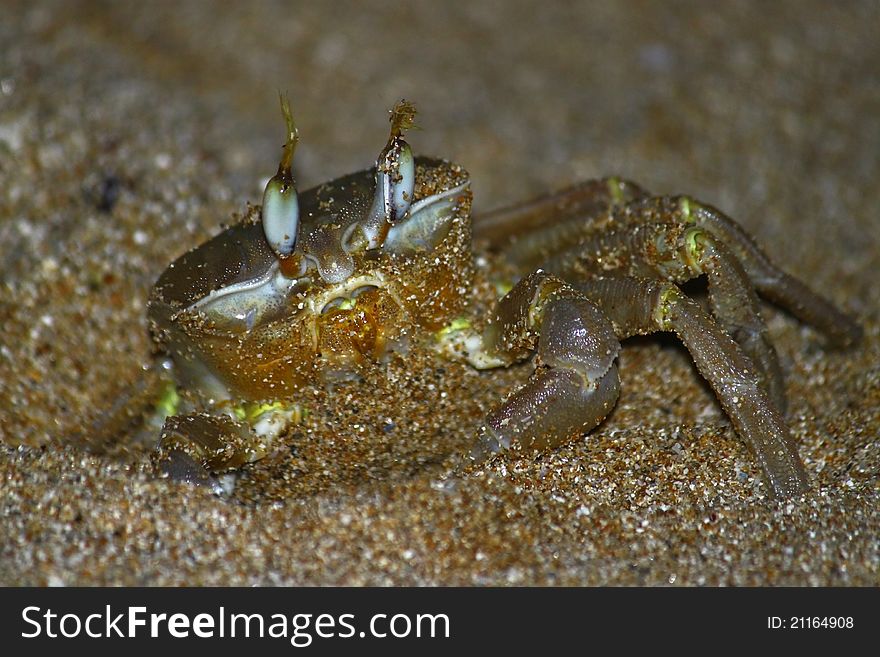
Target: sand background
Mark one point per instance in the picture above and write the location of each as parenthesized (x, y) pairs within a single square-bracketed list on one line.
[(130, 131)]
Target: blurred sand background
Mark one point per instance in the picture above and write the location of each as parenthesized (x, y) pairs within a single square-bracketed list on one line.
[(129, 131)]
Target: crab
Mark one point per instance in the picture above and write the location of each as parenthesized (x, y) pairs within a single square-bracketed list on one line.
[(314, 287)]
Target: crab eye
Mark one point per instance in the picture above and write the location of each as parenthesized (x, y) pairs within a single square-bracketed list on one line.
[(280, 202), (280, 216), (395, 179), (395, 182)]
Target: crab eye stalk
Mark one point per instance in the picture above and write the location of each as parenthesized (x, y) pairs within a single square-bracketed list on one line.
[(280, 203), (395, 181), (395, 167)]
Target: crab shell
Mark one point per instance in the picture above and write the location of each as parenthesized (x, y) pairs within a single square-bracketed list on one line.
[(237, 328)]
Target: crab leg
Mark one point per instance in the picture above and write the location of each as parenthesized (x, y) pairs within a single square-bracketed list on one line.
[(680, 252), (575, 384), (549, 225), (770, 281), (552, 222), (194, 446), (735, 306), (773, 283), (637, 306)]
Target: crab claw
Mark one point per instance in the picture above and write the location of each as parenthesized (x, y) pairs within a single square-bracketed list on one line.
[(395, 181), (280, 202)]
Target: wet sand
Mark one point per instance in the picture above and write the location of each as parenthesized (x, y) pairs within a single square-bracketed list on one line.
[(130, 132)]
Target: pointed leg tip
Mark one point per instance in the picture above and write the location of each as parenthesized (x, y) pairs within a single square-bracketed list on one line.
[(177, 465)]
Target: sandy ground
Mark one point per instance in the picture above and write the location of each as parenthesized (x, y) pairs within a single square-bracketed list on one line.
[(129, 132)]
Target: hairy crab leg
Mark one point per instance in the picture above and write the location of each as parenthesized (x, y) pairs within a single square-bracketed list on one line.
[(679, 253), (735, 306), (541, 228), (575, 384), (773, 283), (128, 412), (194, 446), (552, 222), (639, 306)]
